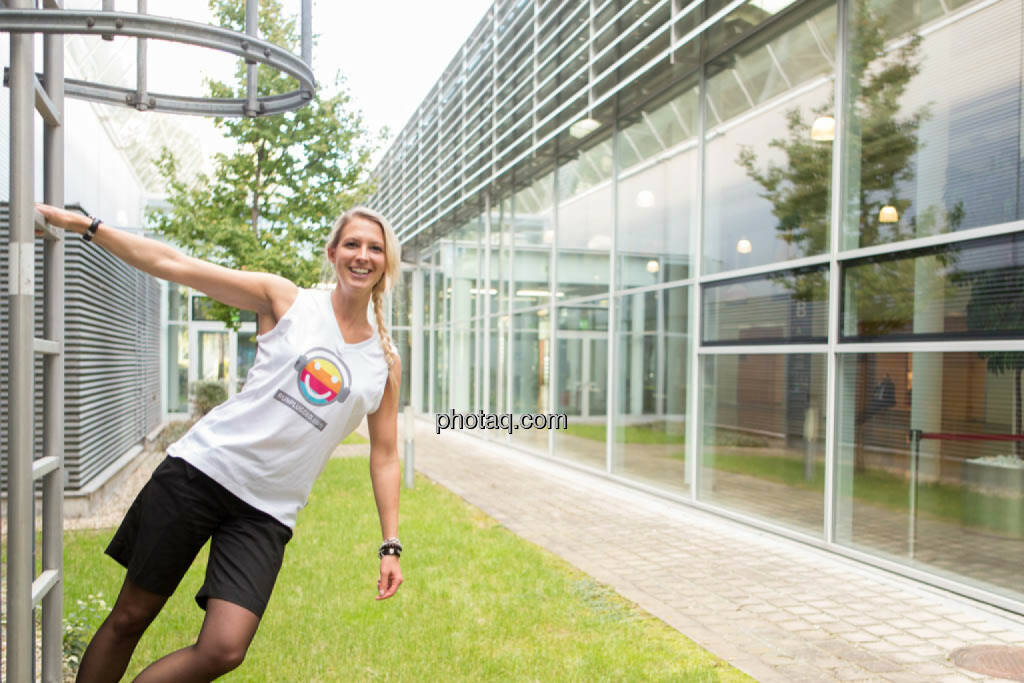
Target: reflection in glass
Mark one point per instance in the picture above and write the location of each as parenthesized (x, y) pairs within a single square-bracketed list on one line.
[(933, 119), (763, 450), (585, 222), (581, 389), (464, 367), (657, 202), (442, 355), (177, 369), (530, 371), (402, 340), (531, 236), (930, 469), (788, 305), (768, 183), (967, 290), (650, 411), (213, 358), (246, 355)]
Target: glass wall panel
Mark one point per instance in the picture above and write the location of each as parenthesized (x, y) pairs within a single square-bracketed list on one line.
[(531, 237), (763, 451), (741, 20), (464, 367), (214, 357), (466, 270), (177, 368), (934, 119), (650, 413), (245, 354), (790, 305), (402, 339), (530, 373), (497, 366), (581, 391), (768, 183), (585, 222), (931, 462), (401, 301), (442, 356), (967, 290), (657, 192)]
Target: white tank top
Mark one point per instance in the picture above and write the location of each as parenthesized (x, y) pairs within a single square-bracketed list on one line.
[(307, 390)]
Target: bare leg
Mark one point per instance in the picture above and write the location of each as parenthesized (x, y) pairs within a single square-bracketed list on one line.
[(111, 648), (227, 631)]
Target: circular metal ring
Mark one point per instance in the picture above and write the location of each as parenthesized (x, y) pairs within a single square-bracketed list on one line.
[(250, 48)]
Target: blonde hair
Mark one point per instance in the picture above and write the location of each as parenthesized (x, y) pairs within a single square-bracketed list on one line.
[(392, 268)]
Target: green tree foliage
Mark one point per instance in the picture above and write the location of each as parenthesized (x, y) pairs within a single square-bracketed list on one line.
[(268, 205)]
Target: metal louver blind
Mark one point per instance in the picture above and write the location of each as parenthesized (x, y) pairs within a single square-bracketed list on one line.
[(111, 361)]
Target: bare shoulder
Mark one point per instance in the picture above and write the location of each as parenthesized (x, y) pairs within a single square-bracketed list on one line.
[(281, 292)]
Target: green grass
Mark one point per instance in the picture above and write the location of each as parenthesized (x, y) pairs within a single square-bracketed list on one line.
[(942, 501), (354, 438), (478, 602)]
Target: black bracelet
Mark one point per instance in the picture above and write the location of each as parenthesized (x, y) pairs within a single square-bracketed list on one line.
[(91, 231), (390, 546)]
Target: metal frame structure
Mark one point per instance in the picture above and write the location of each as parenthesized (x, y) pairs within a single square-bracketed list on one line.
[(45, 95)]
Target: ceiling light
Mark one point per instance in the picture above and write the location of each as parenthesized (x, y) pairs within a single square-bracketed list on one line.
[(645, 199), (584, 127), (888, 214), (824, 129), (653, 266), (744, 246)]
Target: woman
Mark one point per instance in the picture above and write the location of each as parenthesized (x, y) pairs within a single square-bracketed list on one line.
[(241, 474)]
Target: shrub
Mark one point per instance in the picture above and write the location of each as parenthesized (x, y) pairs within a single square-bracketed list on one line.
[(79, 625), (171, 433), (206, 396)]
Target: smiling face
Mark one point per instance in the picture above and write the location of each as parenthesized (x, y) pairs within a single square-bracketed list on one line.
[(359, 256)]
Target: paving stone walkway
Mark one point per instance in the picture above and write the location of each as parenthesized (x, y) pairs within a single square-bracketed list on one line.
[(774, 608)]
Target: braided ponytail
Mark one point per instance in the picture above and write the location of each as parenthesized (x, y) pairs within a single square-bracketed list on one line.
[(382, 330)]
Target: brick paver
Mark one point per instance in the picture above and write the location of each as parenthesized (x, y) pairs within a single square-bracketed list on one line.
[(774, 608)]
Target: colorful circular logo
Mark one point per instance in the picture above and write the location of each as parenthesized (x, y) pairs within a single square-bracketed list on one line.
[(320, 381)]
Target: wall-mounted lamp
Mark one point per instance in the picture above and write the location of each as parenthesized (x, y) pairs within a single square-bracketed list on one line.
[(653, 266), (584, 127), (744, 246), (888, 214), (824, 129)]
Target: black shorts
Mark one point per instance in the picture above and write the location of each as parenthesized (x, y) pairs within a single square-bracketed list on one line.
[(177, 510)]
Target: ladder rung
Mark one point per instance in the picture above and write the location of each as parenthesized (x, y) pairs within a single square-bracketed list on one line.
[(46, 346), (43, 228), (42, 585), (43, 466)]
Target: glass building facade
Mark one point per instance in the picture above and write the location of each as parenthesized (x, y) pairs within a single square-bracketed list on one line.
[(766, 255)]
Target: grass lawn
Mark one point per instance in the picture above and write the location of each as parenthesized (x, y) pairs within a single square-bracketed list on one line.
[(641, 434), (478, 602)]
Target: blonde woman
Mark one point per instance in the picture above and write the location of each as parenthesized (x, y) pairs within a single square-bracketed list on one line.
[(242, 473)]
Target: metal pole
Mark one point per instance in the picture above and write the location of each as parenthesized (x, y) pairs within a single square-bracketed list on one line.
[(20, 513), (53, 411), (410, 435), (141, 67), (307, 32), (108, 6), (252, 29)]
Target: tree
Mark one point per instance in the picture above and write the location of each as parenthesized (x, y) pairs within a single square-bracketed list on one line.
[(268, 205)]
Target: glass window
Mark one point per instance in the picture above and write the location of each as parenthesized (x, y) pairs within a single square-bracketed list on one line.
[(763, 450), (768, 181), (740, 21), (530, 372), (246, 355), (581, 391), (177, 369), (656, 201), (931, 462), (177, 302), (531, 236), (202, 310), (967, 290), (213, 361), (650, 413), (934, 120), (585, 222), (789, 305), (466, 269), (442, 354)]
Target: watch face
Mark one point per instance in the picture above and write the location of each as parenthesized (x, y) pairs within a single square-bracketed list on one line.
[(320, 379)]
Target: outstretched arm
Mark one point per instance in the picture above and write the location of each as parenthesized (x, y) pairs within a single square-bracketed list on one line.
[(266, 294), (386, 475)]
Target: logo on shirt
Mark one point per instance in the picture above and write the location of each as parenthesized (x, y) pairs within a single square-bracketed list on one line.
[(323, 377)]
